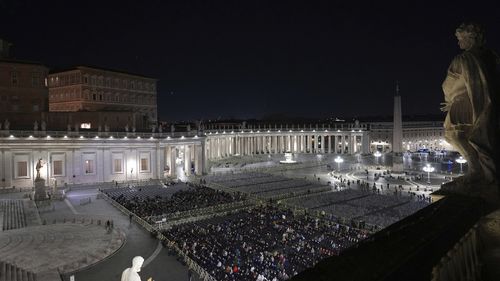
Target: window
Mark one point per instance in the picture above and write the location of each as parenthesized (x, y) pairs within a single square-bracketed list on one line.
[(85, 125), (57, 167), (14, 78), (89, 166), (85, 80), (94, 97), (35, 79), (144, 164), (117, 166), (22, 169)]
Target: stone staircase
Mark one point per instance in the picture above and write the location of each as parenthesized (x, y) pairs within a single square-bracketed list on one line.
[(13, 214), (9, 272)]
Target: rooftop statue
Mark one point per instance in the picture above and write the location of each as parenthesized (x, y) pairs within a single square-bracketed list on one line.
[(471, 93)]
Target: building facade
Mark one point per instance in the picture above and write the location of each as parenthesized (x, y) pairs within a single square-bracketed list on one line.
[(416, 135), (79, 157), (23, 92), (86, 159), (89, 89)]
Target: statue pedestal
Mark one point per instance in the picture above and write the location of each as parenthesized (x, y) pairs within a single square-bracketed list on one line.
[(40, 192), (397, 163)]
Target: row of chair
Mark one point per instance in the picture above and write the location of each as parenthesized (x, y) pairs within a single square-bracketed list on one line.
[(13, 214), (10, 272)]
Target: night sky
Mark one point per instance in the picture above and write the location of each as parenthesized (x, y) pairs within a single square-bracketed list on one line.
[(256, 59)]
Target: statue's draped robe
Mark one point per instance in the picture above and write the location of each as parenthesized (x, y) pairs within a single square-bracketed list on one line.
[(471, 88), (130, 275)]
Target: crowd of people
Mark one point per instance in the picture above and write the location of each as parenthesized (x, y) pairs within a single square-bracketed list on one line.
[(263, 243), (147, 202)]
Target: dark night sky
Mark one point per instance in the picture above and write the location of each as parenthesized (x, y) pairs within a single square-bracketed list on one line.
[(250, 59)]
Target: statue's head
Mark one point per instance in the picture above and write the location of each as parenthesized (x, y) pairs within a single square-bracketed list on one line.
[(470, 35), (137, 263)]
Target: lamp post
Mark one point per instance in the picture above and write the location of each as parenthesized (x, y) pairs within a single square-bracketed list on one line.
[(429, 169), (377, 155), (338, 160), (461, 161)]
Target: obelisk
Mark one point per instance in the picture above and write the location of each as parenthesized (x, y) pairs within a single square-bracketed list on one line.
[(397, 135)]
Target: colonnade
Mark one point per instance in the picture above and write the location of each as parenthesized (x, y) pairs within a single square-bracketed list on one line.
[(192, 156), (249, 143)]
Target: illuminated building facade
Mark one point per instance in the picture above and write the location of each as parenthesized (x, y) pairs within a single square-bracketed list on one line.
[(90, 89)]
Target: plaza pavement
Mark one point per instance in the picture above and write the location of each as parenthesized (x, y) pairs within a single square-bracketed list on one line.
[(158, 264)]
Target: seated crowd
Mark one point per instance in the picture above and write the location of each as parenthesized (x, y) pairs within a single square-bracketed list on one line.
[(264, 243), (147, 202)]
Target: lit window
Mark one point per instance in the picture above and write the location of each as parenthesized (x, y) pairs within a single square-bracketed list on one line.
[(89, 166), (85, 126)]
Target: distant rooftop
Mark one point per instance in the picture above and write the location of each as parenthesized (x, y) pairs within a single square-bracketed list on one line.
[(80, 67), (11, 60)]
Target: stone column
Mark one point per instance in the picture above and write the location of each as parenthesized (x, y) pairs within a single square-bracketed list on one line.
[(329, 144), (336, 143), (198, 160), (302, 147), (187, 160), (173, 156), (316, 144), (323, 144)]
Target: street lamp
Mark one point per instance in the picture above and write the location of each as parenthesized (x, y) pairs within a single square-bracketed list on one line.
[(377, 155), (461, 161), (429, 169), (338, 160)]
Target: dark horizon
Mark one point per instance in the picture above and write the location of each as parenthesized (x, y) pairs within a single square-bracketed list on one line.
[(252, 60)]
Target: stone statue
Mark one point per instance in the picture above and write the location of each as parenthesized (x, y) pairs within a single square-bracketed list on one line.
[(188, 128), (471, 92), (39, 165), (172, 128), (126, 128), (43, 125), (6, 124), (131, 273)]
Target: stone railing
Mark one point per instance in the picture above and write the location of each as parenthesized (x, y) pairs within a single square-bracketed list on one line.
[(202, 273), (462, 261)]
